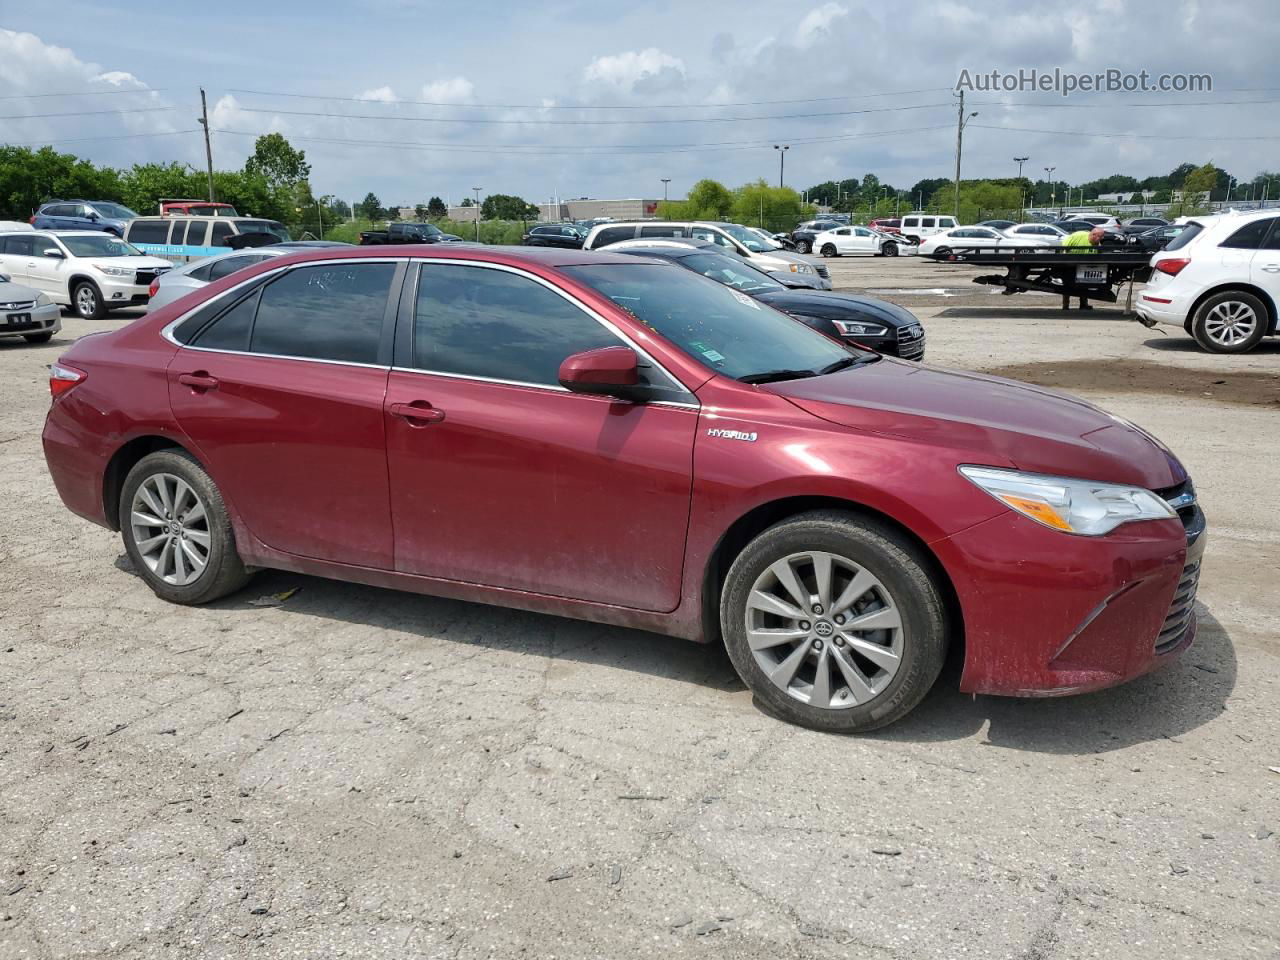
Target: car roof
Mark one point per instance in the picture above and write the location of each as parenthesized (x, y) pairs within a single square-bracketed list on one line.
[(60, 233), (510, 255)]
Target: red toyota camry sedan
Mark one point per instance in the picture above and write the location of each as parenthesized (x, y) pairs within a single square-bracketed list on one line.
[(617, 439)]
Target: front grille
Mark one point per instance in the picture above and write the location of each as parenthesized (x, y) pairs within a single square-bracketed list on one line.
[(1181, 611), (143, 278), (18, 305), (1182, 497)]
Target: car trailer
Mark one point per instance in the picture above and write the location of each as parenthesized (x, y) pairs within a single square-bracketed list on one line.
[(1093, 273)]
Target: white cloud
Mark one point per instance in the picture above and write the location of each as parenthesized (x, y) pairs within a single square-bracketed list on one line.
[(452, 90), (817, 23), (650, 68), (381, 94)]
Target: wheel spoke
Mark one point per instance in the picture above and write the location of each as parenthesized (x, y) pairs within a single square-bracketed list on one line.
[(859, 689), (150, 500), (180, 494), (859, 585), (786, 671), (162, 561), (146, 546), (822, 574), (881, 656), (179, 563), (196, 561), (767, 602), (786, 575), (195, 514), (820, 695), (886, 618), (163, 489), (145, 520), (199, 537), (766, 639)]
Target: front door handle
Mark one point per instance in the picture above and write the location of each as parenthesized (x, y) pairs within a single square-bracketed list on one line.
[(1272, 268), (419, 413), (198, 381)]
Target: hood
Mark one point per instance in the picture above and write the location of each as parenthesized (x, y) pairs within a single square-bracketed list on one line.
[(796, 281), (1000, 421), (838, 306), (11, 292), (786, 256), (142, 263)]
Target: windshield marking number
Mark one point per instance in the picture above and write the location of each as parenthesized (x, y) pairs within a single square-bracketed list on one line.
[(732, 434)]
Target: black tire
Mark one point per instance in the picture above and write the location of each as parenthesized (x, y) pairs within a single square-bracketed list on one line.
[(804, 246), (829, 250), (224, 572), (890, 558), (1215, 338), (38, 337), (86, 300), (942, 252), (889, 250), (914, 240)]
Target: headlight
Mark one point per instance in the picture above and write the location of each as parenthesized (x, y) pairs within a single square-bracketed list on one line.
[(113, 271), (801, 268), (851, 328), (1073, 506), (43, 300)]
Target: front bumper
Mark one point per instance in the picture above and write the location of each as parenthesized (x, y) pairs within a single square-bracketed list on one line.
[(122, 291), (46, 319), (1049, 614)]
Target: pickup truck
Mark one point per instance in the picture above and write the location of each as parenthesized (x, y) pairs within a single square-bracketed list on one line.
[(407, 233)]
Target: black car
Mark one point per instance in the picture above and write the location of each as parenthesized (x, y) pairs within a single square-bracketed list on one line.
[(1155, 239), (1142, 225), (1110, 235), (884, 327), (565, 235), (802, 236), (998, 224)]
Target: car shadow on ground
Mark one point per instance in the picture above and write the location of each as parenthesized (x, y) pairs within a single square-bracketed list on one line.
[(1100, 311), (1191, 691), (1179, 342)]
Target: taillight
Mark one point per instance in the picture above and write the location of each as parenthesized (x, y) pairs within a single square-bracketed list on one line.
[(154, 288), (62, 378), (32, 221), (1172, 266)]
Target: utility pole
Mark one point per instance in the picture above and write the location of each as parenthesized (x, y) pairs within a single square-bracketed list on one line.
[(665, 181), (477, 191), (782, 159), (208, 149), (961, 120), (1053, 187), (1022, 197)]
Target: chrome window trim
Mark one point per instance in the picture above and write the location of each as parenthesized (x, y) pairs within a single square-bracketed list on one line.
[(585, 308), (552, 388)]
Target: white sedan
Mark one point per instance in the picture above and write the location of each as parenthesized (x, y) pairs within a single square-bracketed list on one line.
[(967, 238), (27, 313), (856, 239)]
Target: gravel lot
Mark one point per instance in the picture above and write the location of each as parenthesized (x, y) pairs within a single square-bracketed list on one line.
[(361, 773)]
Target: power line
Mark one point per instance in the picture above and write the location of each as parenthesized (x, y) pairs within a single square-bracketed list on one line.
[(1119, 136), (82, 93), (630, 106), (85, 113), (123, 136), (1104, 105), (667, 120)]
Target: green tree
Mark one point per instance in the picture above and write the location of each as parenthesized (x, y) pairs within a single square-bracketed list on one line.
[(370, 207), (436, 208), (501, 206), (1196, 188), (466, 202), (708, 200), (760, 205), (276, 160)]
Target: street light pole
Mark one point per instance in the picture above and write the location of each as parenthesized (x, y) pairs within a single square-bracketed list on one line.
[(782, 159), (1022, 197), (477, 192), (961, 120), (1053, 187), (665, 181)]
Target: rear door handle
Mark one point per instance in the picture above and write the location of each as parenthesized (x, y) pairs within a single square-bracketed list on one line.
[(198, 381), (419, 413), (1272, 268)]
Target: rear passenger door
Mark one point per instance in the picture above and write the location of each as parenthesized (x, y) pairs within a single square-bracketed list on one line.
[(15, 253), (281, 393), (1265, 271)]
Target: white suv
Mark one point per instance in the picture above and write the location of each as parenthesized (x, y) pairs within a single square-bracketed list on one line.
[(916, 226), (1219, 280), (89, 270)]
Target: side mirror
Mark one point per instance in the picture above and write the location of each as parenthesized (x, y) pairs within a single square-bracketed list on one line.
[(607, 371), (93, 217), (55, 253)]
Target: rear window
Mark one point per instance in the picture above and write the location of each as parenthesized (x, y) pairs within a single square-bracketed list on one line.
[(662, 231), (329, 312), (612, 235), (149, 231), (1189, 233)]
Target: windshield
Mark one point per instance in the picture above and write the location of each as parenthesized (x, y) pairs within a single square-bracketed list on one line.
[(731, 272), (722, 329), (114, 211), (265, 226), (752, 241), (99, 246)]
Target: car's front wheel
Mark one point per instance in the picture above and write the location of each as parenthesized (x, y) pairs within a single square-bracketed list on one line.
[(829, 250), (88, 300), (176, 530), (834, 622), (1230, 322), (942, 252), (889, 250), (804, 246)]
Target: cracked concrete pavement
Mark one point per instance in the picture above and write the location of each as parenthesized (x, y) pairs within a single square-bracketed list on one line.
[(362, 773)]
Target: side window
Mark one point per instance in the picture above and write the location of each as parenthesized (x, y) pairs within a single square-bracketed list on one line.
[(842, 232), (178, 232), (927, 221), (1273, 241), (330, 311), (201, 273), (229, 265), (196, 233), (909, 222), (221, 232), (149, 231), (1250, 236), (664, 231), (946, 221), (482, 322), (612, 235), (20, 246), (231, 330)]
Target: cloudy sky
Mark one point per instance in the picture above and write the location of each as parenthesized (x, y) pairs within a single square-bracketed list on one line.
[(586, 98)]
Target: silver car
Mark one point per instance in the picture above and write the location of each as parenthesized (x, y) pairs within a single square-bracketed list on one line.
[(27, 313), (189, 277)]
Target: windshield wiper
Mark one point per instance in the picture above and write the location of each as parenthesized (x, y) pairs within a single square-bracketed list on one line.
[(772, 376), (845, 362)]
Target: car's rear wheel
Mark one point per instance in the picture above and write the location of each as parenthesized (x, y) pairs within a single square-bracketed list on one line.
[(1230, 322), (829, 250), (804, 246), (914, 239), (38, 337), (834, 622), (942, 252), (176, 530), (889, 250), (87, 300)]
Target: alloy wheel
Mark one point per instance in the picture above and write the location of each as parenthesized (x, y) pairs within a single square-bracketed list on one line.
[(824, 630), (170, 528), (1230, 323), (86, 300)]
